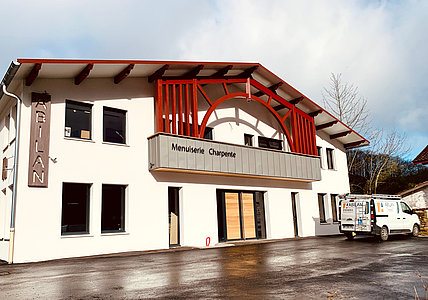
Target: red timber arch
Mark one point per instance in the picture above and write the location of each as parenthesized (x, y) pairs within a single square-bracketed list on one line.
[(176, 101), (245, 95)]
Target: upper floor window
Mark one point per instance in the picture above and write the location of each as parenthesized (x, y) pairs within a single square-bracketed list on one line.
[(265, 142), (248, 139), (114, 125), (319, 153), (330, 158), (78, 120)]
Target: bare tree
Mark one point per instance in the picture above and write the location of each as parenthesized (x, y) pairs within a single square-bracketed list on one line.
[(376, 161), (344, 101)]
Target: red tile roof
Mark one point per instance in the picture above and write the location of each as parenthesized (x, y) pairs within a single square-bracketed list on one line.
[(422, 158)]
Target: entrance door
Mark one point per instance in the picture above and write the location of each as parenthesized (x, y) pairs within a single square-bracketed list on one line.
[(248, 218), (233, 217), (237, 217), (173, 216), (294, 208)]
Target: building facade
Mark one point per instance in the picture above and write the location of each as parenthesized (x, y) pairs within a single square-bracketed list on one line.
[(117, 156)]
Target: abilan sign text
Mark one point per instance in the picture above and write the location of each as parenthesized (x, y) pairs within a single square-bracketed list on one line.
[(38, 167)]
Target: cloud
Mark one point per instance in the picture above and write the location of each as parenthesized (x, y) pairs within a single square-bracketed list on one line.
[(380, 46)]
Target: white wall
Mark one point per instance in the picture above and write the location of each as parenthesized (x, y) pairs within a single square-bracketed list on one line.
[(418, 199), (38, 228)]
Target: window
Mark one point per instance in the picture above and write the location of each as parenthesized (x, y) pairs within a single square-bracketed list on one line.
[(321, 207), (265, 142), (78, 120), (334, 207), (248, 139), (113, 208), (208, 134), (114, 125), (405, 208), (75, 208), (330, 160), (319, 152)]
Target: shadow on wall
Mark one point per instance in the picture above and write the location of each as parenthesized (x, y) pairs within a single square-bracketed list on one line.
[(162, 176), (327, 228)]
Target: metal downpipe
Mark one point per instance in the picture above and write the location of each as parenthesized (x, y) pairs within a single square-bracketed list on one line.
[(15, 171)]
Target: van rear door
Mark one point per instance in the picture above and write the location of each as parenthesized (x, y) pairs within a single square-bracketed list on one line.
[(362, 216)]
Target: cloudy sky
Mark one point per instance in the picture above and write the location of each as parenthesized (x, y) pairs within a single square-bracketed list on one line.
[(379, 46)]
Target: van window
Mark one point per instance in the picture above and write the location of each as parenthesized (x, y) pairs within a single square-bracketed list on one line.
[(398, 208), (405, 208)]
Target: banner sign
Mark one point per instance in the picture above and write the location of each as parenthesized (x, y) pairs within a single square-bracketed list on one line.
[(38, 167)]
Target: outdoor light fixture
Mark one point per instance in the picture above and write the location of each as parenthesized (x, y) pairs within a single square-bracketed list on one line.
[(248, 90)]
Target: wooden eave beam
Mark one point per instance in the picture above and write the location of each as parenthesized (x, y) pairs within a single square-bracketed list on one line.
[(297, 100), (33, 74), (194, 72), (247, 73), (340, 134), (353, 144), (83, 74), (278, 107), (326, 125), (158, 74), (222, 72), (273, 88), (315, 113), (123, 74)]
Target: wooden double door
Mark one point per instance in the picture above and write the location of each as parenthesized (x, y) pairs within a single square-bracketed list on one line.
[(241, 215)]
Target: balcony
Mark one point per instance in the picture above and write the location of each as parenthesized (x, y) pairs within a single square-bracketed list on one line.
[(168, 152)]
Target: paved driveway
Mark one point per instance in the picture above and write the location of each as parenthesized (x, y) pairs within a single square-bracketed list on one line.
[(314, 268)]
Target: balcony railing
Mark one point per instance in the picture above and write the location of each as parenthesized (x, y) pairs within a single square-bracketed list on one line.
[(168, 152)]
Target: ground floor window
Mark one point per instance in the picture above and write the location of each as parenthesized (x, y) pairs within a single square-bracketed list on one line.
[(321, 206), (240, 215), (173, 216), (75, 208), (113, 208), (334, 207)]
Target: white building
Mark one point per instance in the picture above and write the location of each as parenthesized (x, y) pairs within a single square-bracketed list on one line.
[(117, 156), (417, 196)]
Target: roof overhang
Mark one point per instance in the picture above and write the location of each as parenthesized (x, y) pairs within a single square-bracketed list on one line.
[(118, 70)]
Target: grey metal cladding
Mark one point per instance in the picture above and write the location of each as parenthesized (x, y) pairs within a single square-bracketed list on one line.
[(193, 154)]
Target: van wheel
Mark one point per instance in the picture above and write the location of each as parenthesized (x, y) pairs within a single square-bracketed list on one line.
[(384, 233), (415, 230), (349, 236)]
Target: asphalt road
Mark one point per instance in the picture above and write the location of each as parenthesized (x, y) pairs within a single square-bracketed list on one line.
[(314, 268)]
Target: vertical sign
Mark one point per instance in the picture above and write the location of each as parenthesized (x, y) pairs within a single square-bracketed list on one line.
[(39, 140)]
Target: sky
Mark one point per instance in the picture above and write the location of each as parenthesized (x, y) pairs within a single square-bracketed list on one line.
[(379, 46)]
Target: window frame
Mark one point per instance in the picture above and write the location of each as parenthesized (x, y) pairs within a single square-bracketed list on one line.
[(330, 159), (281, 143), (83, 104), (321, 205), (319, 152), (249, 138), (333, 202), (87, 207), (124, 124), (122, 205)]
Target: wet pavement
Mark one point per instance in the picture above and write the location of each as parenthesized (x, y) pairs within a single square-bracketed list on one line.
[(314, 268)]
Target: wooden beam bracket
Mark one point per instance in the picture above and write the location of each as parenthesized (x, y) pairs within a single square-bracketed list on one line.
[(123, 74), (315, 113), (158, 74), (326, 125), (297, 100), (83, 74), (273, 88), (33, 74), (354, 144), (340, 134)]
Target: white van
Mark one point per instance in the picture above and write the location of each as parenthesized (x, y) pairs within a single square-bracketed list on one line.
[(379, 215)]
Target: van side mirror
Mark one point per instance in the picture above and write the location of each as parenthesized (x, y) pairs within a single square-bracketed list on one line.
[(413, 212)]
